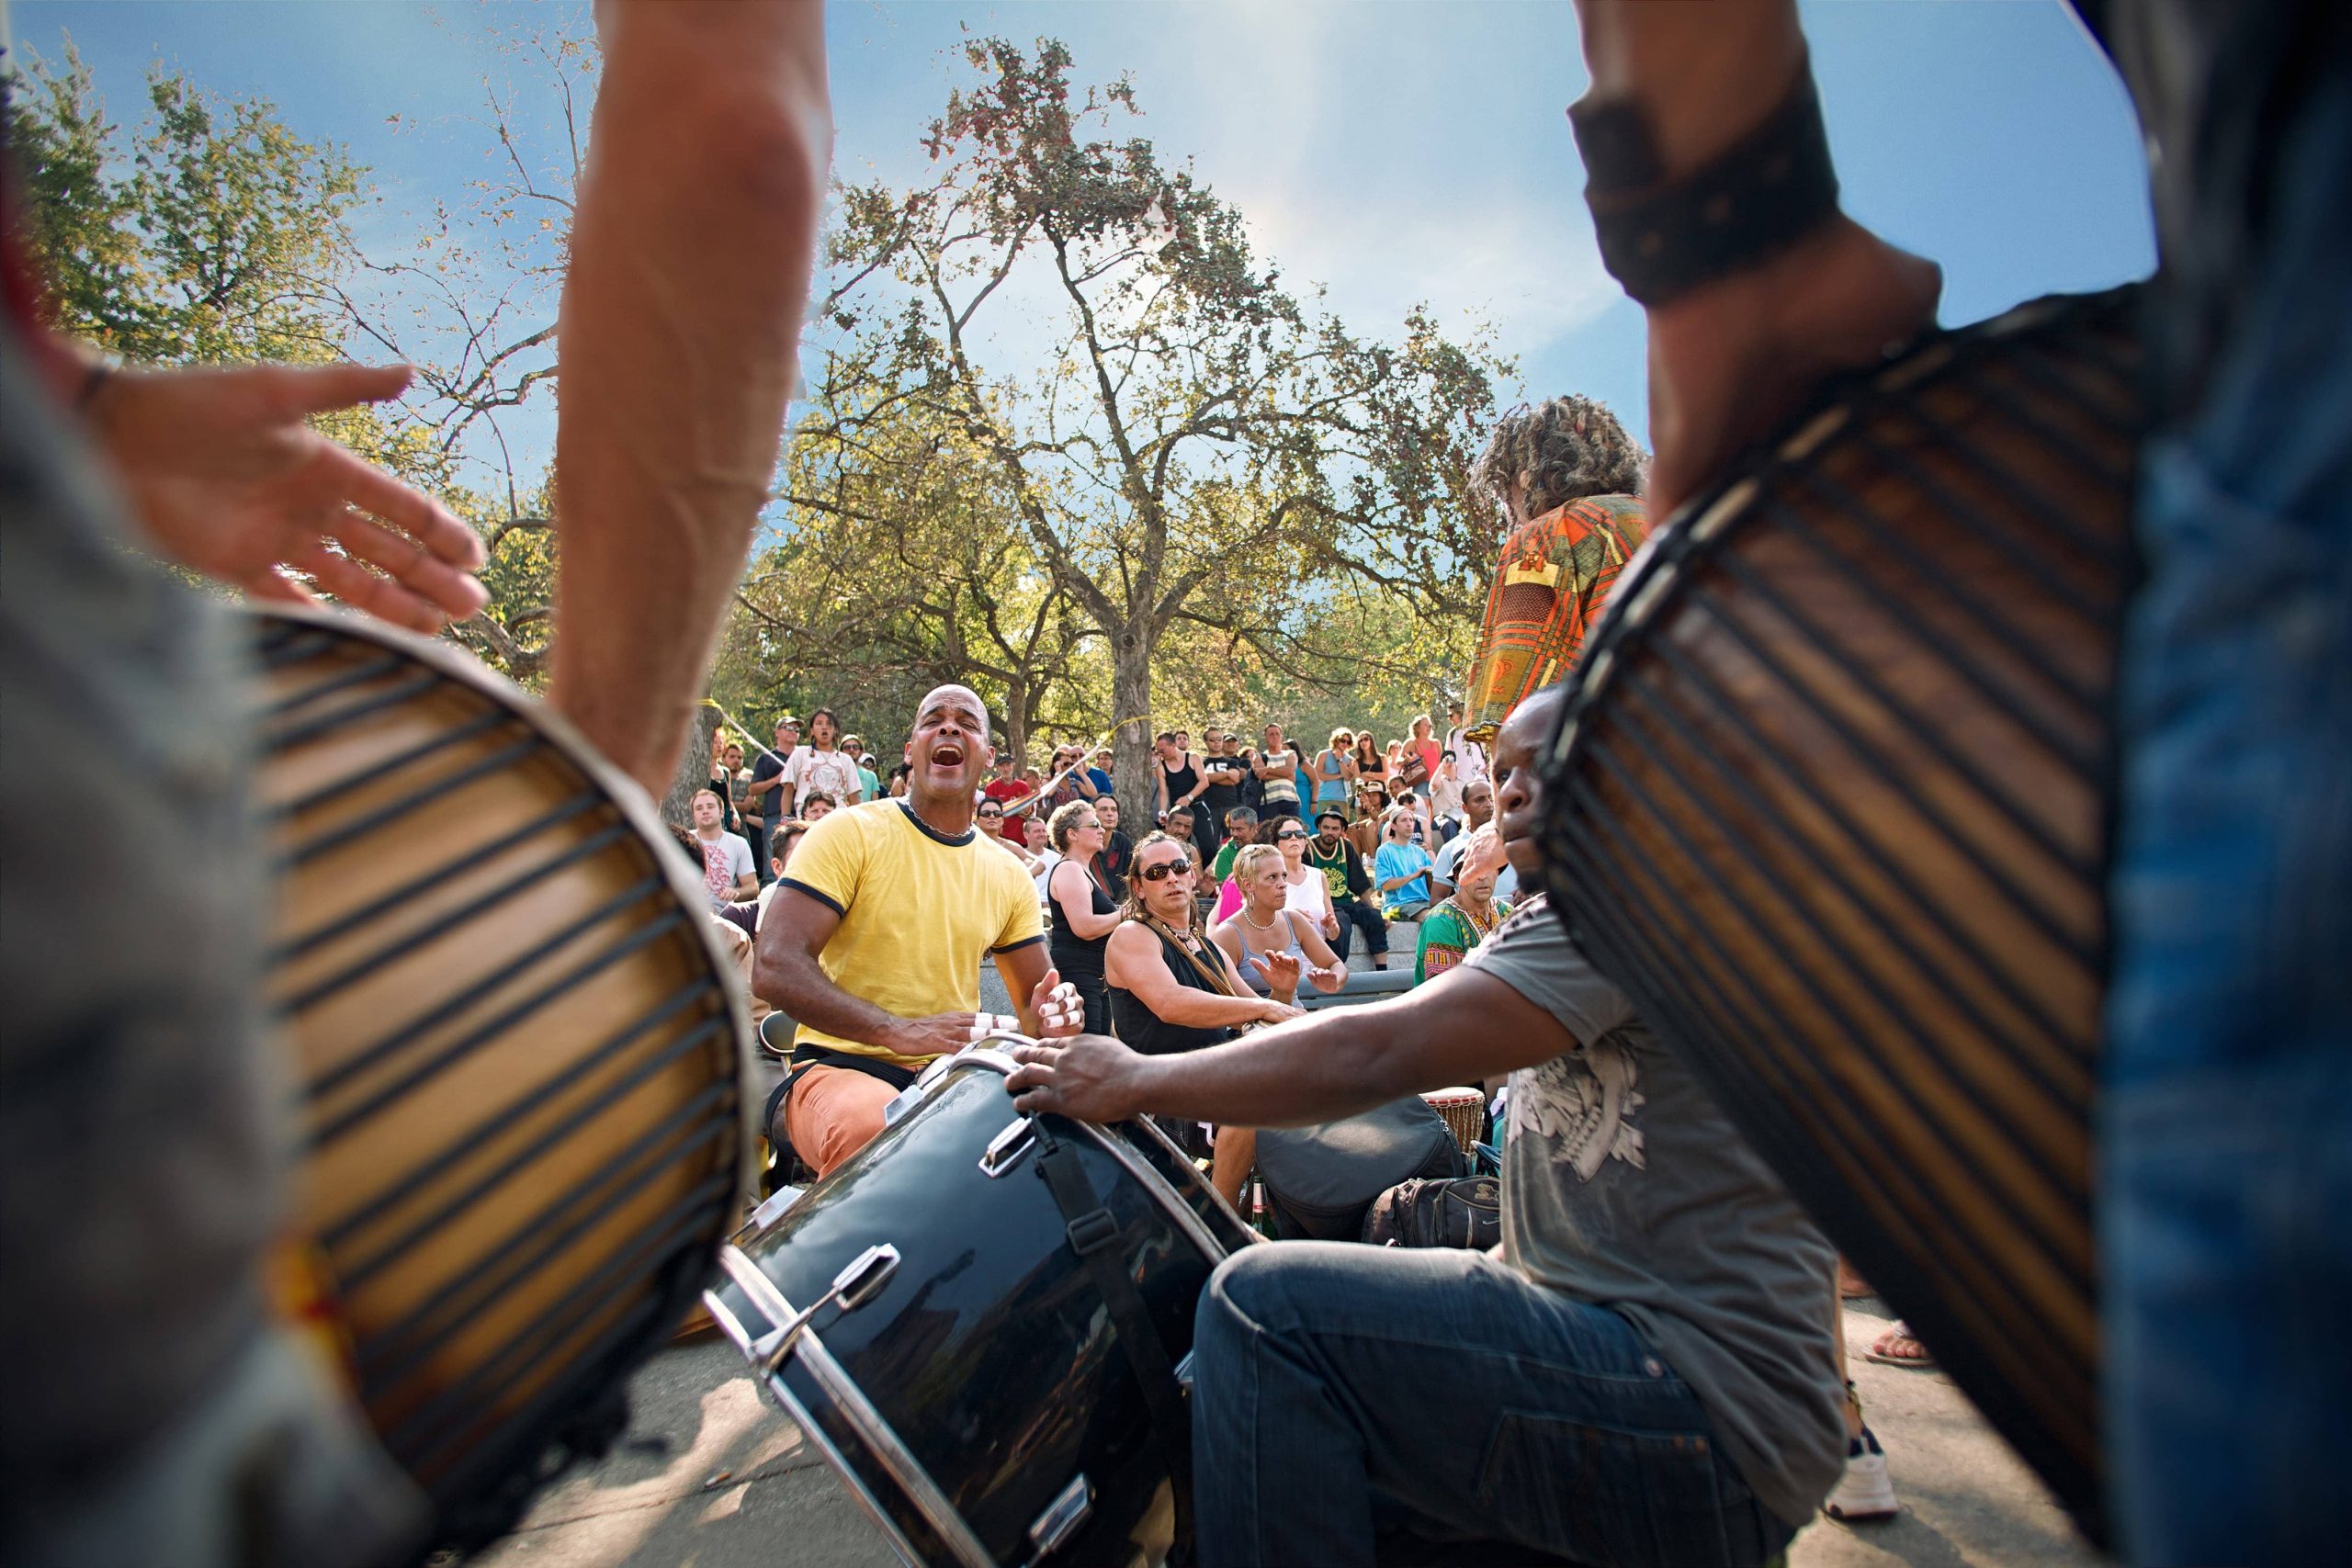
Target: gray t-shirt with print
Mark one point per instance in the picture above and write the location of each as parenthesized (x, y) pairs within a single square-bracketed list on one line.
[(1624, 1184)]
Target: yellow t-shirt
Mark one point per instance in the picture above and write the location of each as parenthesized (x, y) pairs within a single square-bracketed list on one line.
[(917, 910)]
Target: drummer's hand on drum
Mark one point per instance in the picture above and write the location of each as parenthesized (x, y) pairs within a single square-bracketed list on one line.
[(941, 1034), (1279, 1012), (1731, 360), (1090, 1076), (1059, 1010), (230, 480)]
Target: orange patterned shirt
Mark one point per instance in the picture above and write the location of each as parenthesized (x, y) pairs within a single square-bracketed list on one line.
[(1554, 575)]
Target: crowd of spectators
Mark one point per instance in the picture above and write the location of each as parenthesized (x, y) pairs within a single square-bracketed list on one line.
[(1334, 845)]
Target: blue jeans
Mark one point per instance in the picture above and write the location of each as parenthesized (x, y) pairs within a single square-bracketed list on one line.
[(2225, 1206), (1343, 1389)]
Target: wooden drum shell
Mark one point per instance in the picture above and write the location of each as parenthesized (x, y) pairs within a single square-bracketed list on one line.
[(520, 1062), (1831, 800)]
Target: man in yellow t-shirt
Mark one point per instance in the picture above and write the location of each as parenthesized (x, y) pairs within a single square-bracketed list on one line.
[(873, 941)]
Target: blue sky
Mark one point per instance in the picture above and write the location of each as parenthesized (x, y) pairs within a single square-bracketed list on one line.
[(1393, 153)]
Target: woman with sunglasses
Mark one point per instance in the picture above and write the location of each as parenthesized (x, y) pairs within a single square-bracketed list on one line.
[(1273, 946), (1174, 991), (1306, 889)]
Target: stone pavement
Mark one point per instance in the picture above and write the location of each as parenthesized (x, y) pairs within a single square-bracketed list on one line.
[(714, 1476)]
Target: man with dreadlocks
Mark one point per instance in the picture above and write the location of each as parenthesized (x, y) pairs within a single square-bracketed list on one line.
[(1566, 477)]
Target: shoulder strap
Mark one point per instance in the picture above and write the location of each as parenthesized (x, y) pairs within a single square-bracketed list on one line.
[(1093, 1238)]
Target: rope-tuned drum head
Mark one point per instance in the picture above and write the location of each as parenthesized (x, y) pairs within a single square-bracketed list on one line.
[(1830, 799), (518, 1059)]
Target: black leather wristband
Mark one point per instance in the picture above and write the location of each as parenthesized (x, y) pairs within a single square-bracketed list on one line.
[(1759, 197)]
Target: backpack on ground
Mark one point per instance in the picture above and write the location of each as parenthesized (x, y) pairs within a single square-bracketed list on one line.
[(1465, 1211)]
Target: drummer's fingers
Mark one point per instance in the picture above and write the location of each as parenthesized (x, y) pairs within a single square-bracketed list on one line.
[(1036, 1099)]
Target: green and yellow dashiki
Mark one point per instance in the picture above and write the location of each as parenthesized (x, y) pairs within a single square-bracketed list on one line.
[(1554, 575), (1448, 933)]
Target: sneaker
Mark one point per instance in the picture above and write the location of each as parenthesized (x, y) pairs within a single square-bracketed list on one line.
[(1863, 1492)]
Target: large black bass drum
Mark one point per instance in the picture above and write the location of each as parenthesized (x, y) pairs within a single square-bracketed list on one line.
[(980, 1321)]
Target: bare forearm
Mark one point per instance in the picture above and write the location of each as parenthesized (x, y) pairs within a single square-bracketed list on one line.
[(1704, 74), (1316, 1069), (1203, 1009), (680, 326), (796, 984)]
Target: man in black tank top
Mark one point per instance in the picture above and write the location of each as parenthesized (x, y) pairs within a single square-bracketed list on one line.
[(1222, 770), (1176, 777)]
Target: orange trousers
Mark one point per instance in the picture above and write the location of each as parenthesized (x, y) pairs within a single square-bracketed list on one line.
[(832, 1113)]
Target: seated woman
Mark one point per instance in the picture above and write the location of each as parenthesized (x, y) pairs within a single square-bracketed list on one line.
[(1306, 890), (1468, 915), (1270, 945), (1082, 914), (1372, 765), (1372, 810), (1173, 990)]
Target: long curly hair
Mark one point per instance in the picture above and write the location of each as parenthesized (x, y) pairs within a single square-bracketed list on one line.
[(1568, 447)]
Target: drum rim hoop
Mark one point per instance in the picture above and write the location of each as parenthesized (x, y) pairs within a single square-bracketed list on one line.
[(831, 1452), (1170, 1200)]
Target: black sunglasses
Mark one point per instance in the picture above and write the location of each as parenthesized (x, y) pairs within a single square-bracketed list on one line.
[(993, 814), (1165, 870), (1292, 833)]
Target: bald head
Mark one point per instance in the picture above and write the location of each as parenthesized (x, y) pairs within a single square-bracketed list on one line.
[(962, 698)]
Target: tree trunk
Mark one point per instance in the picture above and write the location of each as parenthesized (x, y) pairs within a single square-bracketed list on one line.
[(1016, 722), (694, 769), (1131, 740)]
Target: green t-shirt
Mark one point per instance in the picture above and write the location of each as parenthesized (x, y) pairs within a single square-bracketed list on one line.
[(1222, 866)]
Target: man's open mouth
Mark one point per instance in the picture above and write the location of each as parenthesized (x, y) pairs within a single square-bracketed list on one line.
[(947, 757)]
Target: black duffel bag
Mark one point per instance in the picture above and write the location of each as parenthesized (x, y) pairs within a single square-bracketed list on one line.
[(1466, 1212), (1321, 1182)]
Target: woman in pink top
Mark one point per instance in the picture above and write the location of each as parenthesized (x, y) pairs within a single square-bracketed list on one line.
[(1424, 746)]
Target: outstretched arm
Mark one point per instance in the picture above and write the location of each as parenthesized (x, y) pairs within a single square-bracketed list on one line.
[(1732, 359), (1460, 1028), (691, 247)]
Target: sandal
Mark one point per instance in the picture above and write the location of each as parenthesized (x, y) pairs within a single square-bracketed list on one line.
[(1898, 1346)]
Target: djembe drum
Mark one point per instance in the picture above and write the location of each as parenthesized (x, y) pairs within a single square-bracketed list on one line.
[(1464, 1111), (520, 1064), (1829, 800)]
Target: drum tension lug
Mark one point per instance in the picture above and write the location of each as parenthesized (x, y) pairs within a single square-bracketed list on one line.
[(1062, 1517), (854, 1286), (1009, 1147)]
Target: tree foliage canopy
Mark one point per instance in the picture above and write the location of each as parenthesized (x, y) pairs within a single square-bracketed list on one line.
[(1200, 459)]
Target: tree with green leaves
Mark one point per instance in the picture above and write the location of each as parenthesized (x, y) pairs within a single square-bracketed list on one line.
[(1200, 446), (208, 232)]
